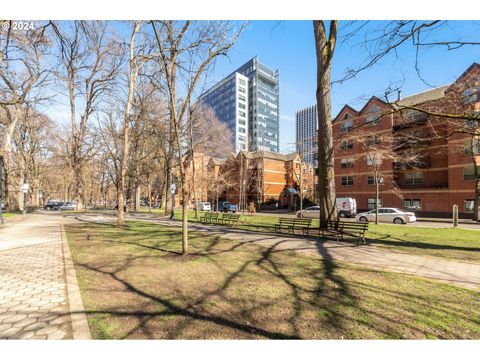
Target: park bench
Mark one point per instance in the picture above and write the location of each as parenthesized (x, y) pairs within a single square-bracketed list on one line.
[(342, 229), (209, 218), (291, 224), (229, 219)]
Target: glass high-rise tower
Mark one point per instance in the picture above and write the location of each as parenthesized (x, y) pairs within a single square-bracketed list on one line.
[(250, 94)]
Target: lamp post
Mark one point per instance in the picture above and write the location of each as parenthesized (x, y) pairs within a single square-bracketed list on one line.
[(1, 192), (25, 191), (173, 188), (382, 182)]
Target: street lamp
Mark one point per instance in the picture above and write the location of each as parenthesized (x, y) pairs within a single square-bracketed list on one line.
[(25, 191), (382, 182)]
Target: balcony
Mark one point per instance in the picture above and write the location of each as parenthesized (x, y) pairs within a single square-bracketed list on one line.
[(422, 162), (411, 119), (414, 141)]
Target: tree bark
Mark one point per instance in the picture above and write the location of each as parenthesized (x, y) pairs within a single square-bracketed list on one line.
[(326, 175), (126, 127)]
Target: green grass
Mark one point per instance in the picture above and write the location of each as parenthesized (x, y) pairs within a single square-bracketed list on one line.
[(460, 244), (134, 284), (9, 214)]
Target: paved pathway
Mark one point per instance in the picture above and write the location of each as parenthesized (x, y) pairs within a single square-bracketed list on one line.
[(33, 290), (465, 274)]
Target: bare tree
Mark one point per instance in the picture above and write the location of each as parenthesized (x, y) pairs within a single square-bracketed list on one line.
[(207, 135), (186, 50), (90, 63), (139, 55), (22, 77)]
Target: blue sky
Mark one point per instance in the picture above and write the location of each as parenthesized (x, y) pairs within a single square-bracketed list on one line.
[(289, 47)]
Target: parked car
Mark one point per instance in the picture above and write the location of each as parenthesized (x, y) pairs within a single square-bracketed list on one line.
[(388, 215), (225, 206), (53, 205), (309, 212), (346, 207), (67, 206), (203, 206)]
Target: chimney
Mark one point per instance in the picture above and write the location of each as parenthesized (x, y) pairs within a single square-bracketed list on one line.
[(399, 93)]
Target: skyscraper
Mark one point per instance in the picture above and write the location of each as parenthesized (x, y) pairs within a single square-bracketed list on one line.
[(263, 114), (248, 101), (306, 134), (229, 100)]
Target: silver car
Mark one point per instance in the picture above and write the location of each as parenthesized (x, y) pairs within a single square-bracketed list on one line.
[(310, 212), (387, 215)]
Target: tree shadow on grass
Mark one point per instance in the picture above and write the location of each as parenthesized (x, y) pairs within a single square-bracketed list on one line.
[(397, 242), (328, 293)]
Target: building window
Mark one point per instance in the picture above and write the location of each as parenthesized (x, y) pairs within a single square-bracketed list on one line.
[(371, 180), (412, 204), (373, 160), (241, 105), (347, 180), (467, 146), (242, 113), (346, 126), (468, 205), (346, 163), (472, 94), (371, 203), (242, 90), (242, 82), (413, 177), (242, 130), (347, 144), (468, 173), (374, 139), (373, 119)]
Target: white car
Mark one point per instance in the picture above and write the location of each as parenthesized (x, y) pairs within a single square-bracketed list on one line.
[(388, 215), (310, 212), (204, 206)]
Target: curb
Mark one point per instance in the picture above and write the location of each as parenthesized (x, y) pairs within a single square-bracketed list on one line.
[(80, 327)]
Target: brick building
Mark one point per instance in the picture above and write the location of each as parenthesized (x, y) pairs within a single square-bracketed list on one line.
[(262, 177), (424, 163)]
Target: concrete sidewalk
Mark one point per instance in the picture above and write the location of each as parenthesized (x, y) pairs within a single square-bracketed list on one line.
[(34, 301), (464, 274)]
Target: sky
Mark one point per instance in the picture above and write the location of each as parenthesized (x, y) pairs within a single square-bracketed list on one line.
[(289, 47)]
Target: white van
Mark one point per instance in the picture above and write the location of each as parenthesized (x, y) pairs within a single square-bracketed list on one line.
[(346, 207)]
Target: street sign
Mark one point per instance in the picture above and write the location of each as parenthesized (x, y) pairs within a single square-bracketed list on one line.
[(25, 188), (173, 188)]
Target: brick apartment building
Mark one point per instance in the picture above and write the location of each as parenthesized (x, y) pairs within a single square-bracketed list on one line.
[(426, 165), (262, 177)]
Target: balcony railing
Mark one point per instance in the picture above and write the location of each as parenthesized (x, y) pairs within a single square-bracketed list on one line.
[(421, 162)]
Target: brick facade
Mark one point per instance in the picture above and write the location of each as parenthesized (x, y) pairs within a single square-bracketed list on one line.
[(435, 180), (262, 177)]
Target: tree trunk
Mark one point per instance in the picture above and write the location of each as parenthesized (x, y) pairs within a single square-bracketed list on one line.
[(326, 174), (376, 199), (184, 215), (126, 126)]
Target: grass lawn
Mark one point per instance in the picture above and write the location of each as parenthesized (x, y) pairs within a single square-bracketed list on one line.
[(135, 284), (460, 244), (9, 214)]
